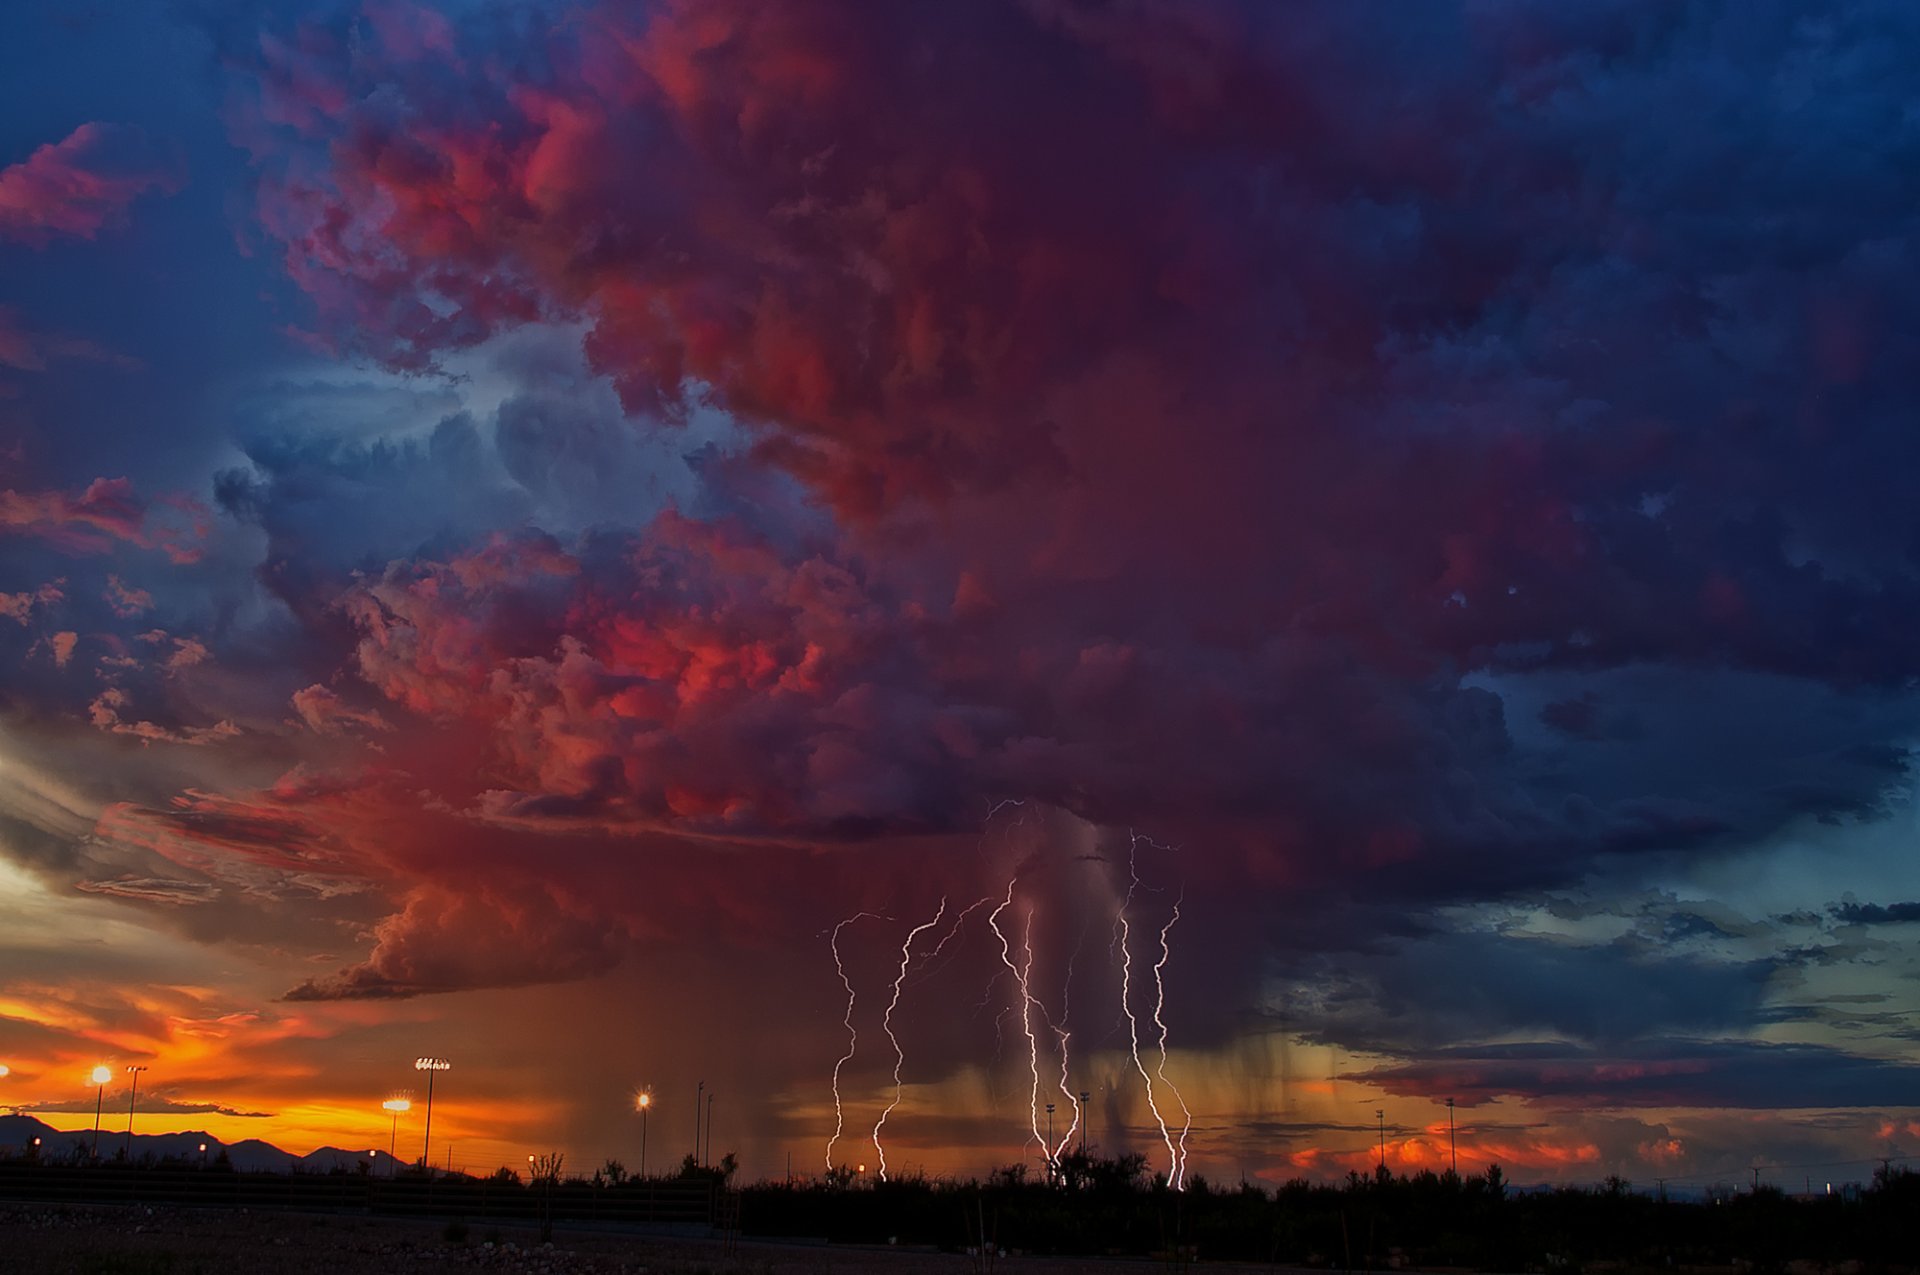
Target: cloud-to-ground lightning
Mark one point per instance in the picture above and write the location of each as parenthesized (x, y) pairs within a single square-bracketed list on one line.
[(1035, 1021), (853, 1035), (1021, 981), (1177, 1171), (1124, 936), (886, 1025), (1065, 1039)]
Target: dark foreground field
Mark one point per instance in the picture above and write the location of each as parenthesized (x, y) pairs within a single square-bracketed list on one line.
[(134, 1240)]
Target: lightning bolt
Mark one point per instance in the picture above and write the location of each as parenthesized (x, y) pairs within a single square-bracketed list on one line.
[(886, 1025), (1177, 1169), (1124, 942), (1023, 982), (853, 1036), (1065, 1039)]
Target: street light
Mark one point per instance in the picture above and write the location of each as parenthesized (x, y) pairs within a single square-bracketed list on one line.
[(641, 1103), (1381, 1112), (699, 1105), (1452, 1153), (100, 1076), (1084, 1122), (131, 1095), (203, 1155), (396, 1104), (707, 1156), (430, 1066)]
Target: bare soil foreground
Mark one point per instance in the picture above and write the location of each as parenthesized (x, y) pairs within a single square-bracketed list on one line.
[(135, 1240)]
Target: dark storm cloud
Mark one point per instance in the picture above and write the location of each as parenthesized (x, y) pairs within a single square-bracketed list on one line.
[(1877, 913), (1437, 991), (1523, 478), (1662, 1074), (1413, 455)]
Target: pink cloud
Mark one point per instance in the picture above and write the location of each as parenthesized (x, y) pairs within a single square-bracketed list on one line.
[(105, 712), (325, 713), (125, 600), (82, 184), (108, 510), (19, 607)]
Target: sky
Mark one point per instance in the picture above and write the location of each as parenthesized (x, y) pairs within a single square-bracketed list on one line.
[(1271, 565)]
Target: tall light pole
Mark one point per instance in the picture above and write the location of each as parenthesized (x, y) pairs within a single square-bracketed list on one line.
[(396, 1104), (430, 1066), (709, 1151), (1452, 1152), (1084, 1122), (100, 1077), (644, 1101), (1049, 1142), (699, 1104), (1381, 1112), (131, 1095)]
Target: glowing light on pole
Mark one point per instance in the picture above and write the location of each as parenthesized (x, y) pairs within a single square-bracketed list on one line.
[(132, 1093), (641, 1103), (396, 1104), (100, 1077), (430, 1066)]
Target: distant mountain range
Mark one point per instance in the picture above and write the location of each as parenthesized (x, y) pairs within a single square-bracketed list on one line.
[(250, 1156)]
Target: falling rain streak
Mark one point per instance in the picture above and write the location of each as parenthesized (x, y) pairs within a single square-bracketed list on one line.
[(1017, 924)]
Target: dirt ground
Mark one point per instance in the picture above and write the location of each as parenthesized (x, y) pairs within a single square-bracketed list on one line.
[(132, 1240)]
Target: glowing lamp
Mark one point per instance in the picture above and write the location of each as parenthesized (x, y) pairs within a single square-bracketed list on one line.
[(432, 1064), (101, 1075), (397, 1105)]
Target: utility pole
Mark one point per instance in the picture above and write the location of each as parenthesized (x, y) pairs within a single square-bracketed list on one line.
[(1382, 1113), (699, 1101), (1453, 1152)]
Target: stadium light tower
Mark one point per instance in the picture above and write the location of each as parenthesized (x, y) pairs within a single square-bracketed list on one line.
[(396, 1104), (430, 1066), (131, 1095)]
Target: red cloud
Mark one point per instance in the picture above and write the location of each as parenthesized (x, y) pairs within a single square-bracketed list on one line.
[(108, 510), (81, 184), (481, 936)]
